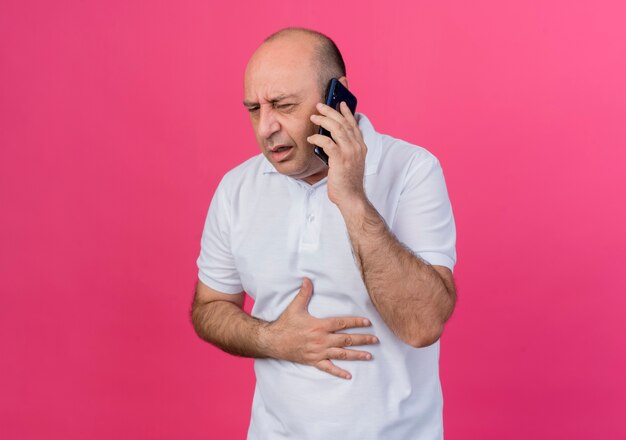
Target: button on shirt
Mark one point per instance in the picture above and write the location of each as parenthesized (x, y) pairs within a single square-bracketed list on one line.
[(264, 232)]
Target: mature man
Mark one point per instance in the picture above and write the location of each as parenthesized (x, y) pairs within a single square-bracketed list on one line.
[(358, 253)]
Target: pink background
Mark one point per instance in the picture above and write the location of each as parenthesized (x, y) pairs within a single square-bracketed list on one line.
[(118, 118)]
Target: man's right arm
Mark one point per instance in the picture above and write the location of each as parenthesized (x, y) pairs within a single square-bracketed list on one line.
[(219, 319)]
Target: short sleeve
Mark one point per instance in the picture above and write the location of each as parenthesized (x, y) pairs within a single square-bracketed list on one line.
[(424, 221), (216, 265)]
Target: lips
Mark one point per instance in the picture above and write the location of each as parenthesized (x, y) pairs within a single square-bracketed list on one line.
[(280, 148), (280, 152)]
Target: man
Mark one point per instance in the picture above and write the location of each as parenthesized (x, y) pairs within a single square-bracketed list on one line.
[(358, 253)]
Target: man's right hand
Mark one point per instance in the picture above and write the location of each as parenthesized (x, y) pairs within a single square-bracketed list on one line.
[(299, 337)]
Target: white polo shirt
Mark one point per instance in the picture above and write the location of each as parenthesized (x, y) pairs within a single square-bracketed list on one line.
[(265, 231)]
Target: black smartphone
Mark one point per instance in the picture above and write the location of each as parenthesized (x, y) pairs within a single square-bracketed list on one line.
[(335, 93)]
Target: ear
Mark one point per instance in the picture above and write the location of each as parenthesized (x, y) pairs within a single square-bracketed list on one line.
[(343, 80)]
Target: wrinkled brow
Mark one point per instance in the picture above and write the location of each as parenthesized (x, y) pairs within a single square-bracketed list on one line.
[(271, 101)]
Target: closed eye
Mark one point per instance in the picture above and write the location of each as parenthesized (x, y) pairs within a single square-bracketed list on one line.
[(285, 107)]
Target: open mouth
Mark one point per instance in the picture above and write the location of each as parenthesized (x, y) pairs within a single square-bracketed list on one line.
[(281, 152)]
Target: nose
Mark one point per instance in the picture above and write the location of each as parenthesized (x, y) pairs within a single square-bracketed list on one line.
[(268, 124)]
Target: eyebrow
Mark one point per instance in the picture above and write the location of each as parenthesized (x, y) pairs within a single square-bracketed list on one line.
[(271, 101)]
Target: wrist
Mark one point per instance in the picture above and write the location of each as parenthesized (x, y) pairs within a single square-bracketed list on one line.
[(354, 207), (265, 340), (366, 227), (357, 211)]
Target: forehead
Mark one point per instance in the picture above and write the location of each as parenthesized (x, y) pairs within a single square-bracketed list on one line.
[(281, 67)]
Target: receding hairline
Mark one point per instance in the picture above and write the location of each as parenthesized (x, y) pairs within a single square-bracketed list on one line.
[(326, 53)]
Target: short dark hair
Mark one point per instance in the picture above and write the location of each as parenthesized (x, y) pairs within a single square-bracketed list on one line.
[(327, 54)]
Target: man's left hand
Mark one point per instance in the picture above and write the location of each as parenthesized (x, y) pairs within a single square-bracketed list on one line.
[(346, 153)]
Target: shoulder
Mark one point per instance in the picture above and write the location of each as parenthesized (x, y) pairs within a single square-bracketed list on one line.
[(400, 158), (392, 156), (244, 174), (246, 170), (398, 150), (243, 179)]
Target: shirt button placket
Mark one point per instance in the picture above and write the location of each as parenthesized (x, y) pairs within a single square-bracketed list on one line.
[(308, 231)]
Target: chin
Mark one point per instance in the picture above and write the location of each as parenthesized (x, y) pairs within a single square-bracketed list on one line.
[(297, 170), (291, 169)]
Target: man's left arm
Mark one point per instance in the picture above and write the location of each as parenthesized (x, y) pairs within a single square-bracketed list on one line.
[(414, 298)]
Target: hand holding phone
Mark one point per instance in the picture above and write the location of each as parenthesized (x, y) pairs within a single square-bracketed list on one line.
[(335, 93)]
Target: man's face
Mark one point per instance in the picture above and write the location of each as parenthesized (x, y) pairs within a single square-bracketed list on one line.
[(281, 90)]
